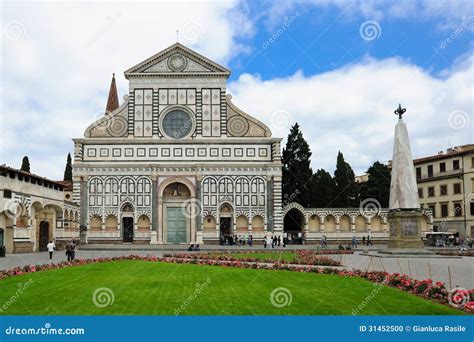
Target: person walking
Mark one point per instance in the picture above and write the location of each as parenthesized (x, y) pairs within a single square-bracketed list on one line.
[(324, 242), (73, 250), (51, 247), (354, 242), (369, 240), (68, 251)]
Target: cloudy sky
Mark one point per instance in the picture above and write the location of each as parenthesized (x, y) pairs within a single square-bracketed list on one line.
[(338, 68)]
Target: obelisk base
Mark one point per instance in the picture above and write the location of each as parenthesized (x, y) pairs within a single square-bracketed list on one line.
[(405, 232)]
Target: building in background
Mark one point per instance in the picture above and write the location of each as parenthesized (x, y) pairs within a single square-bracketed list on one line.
[(34, 210), (177, 161), (446, 186)]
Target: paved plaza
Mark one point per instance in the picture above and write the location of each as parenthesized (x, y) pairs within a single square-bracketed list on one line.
[(454, 271)]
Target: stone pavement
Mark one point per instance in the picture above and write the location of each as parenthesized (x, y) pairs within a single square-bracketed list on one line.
[(460, 270)]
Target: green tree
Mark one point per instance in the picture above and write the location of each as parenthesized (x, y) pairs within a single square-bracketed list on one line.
[(25, 164), (378, 184), (346, 195), (296, 172), (68, 169), (323, 189)]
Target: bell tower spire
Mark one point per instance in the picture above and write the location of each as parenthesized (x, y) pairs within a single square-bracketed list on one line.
[(112, 100)]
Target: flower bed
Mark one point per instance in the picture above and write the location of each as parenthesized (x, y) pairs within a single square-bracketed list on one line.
[(301, 258), (457, 253), (423, 288)]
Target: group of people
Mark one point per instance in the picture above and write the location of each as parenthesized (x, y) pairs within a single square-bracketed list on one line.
[(365, 241), (464, 242), (234, 240), (70, 249), (194, 248), (273, 241)]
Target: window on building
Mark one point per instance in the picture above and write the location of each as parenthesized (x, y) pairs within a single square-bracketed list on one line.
[(430, 170), (457, 188), (431, 191), (444, 209), (442, 167), (456, 164), (7, 193), (443, 190), (457, 209), (420, 192), (472, 162), (472, 208), (418, 172), (177, 124), (432, 208)]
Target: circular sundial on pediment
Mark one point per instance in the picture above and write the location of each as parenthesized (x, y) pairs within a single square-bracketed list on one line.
[(177, 62)]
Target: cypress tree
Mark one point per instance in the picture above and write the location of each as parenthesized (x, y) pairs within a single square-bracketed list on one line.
[(296, 172), (68, 169), (323, 189), (346, 195), (25, 164), (378, 184)]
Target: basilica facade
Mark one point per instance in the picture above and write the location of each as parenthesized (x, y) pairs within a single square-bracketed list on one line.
[(177, 161)]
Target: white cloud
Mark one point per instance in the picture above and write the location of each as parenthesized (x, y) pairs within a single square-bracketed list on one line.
[(448, 13), (58, 57), (351, 108), (56, 72)]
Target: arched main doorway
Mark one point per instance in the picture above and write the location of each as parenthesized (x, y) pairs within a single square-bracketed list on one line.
[(293, 226), (127, 222), (225, 221), (43, 236), (177, 213)]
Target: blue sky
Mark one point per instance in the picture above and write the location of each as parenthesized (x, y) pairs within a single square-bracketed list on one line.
[(339, 68), (325, 38)]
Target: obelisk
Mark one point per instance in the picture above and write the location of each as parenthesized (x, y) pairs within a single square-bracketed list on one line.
[(405, 216)]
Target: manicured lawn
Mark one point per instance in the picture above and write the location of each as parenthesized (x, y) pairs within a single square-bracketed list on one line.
[(143, 287), (286, 256)]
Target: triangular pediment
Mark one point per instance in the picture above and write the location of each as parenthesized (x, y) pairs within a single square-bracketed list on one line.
[(177, 60)]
